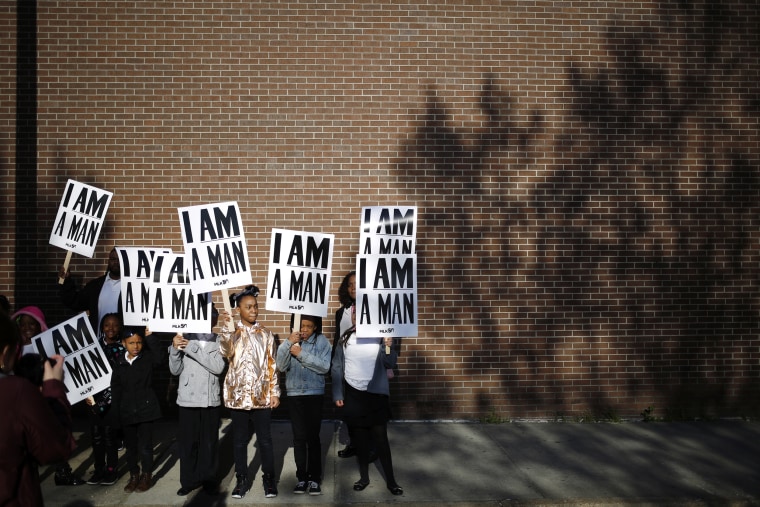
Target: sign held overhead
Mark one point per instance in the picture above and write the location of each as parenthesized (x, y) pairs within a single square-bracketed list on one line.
[(80, 218), (215, 246)]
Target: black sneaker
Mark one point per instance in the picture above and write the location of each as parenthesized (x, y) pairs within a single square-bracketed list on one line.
[(300, 488), (97, 477), (241, 486), (270, 487), (314, 489), (109, 478)]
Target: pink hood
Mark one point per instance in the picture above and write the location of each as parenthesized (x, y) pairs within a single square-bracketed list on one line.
[(34, 313)]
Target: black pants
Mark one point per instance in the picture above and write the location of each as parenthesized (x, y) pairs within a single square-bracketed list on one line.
[(138, 438), (363, 438), (241, 435), (367, 416), (306, 421), (105, 445), (197, 441)]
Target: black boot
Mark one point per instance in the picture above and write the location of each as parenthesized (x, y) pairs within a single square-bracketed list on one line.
[(347, 451), (64, 476)]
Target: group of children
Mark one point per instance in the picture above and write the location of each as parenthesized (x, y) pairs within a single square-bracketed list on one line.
[(250, 390)]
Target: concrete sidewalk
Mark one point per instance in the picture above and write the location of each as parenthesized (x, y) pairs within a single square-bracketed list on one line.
[(469, 464)]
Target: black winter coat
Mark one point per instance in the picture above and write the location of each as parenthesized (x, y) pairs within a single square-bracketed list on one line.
[(132, 385)]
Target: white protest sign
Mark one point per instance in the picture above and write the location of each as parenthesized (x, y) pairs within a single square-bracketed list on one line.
[(174, 306), (386, 295), (215, 246), (299, 272), (136, 264), (86, 369), (80, 218), (388, 230)]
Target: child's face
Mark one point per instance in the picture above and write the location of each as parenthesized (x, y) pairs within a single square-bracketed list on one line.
[(352, 287), (133, 344), (249, 309), (111, 329), (29, 328), (307, 328)]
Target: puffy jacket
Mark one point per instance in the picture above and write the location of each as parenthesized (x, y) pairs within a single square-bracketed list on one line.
[(251, 379)]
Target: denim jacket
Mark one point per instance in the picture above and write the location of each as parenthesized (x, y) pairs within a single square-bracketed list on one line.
[(305, 374)]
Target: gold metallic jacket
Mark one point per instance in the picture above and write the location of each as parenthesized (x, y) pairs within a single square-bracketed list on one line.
[(251, 379)]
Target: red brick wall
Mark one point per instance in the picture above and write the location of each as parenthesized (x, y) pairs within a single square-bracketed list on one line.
[(586, 175), (7, 145)]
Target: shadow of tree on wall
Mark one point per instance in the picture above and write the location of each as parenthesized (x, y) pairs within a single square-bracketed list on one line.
[(607, 260)]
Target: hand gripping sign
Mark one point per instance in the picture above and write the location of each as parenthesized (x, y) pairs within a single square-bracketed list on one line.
[(85, 366)]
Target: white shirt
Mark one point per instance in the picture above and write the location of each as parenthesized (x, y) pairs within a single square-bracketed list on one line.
[(108, 301), (345, 322), (360, 355)]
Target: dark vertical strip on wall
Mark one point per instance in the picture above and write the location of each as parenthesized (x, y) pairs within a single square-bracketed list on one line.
[(27, 276)]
